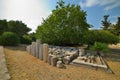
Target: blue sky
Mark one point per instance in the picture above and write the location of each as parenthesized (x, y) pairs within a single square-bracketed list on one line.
[(32, 11)]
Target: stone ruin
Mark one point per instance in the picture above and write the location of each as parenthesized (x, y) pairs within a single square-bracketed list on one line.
[(60, 56)]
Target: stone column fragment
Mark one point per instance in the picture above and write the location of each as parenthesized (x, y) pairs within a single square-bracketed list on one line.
[(45, 52), (33, 49)]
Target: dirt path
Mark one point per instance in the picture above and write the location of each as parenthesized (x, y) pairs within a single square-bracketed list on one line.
[(23, 66)]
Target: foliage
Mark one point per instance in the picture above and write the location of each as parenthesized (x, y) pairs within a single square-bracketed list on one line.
[(26, 39), (18, 27), (100, 47), (118, 27), (10, 39), (115, 28), (33, 36), (0, 40), (65, 26), (102, 36), (106, 23), (3, 26)]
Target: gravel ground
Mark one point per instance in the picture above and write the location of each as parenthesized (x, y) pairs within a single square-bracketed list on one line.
[(23, 66)]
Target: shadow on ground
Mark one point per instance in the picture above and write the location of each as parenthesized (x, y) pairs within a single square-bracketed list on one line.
[(20, 47)]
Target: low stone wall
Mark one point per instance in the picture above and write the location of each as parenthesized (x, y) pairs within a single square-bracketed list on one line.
[(4, 75)]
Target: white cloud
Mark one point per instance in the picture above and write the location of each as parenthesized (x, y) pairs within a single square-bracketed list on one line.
[(29, 11), (88, 3), (108, 4)]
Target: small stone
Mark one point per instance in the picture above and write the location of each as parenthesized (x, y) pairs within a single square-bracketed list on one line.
[(53, 60), (60, 64)]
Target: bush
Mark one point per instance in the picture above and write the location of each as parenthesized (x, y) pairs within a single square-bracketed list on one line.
[(100, 36), (100, 47), (0, 40), (26, 39), (10, 39)]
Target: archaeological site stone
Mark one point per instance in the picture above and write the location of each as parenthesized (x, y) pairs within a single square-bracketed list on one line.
[(33, 49), (45, 52), (53, 60), (60, 64)]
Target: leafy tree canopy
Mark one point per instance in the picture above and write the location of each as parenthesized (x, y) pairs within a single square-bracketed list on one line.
[(3, 26), (65, 26), (106, 23), (18, 27), (102, 36)]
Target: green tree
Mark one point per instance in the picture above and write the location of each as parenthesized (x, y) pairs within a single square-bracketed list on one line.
[(65, 26), (117, 28), (18, 27), (106, 23), (100, 47), (3, 26), (9, 39), (26, 39), (102, 36)]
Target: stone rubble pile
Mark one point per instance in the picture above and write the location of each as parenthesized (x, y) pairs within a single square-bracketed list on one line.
[(62, 55), (59, 56), (90, 59), (53, 55)]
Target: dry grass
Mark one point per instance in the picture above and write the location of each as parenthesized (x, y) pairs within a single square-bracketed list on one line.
[(23, 66)]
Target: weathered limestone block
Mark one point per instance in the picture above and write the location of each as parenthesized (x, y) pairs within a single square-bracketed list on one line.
[(40, 51), (45, 52), (60, 64), (53, 60), (33, 49), (98, 61), (37, 48), (49, 59), (66, 60), (29, 49), (81, 52)]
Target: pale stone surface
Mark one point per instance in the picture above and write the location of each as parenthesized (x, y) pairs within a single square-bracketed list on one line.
[(49, 59), (53, 60), (4, 75), (37, 48), (66, 59), (41, 52), (33, 49), (60, 64), (29, 49), (76, 61), (81, 52), (45, 52)]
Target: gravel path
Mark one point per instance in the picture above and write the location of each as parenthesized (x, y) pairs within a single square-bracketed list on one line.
[(23, 66)]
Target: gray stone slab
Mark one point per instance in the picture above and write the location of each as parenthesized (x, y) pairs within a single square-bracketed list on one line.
[(89, 64), (45, 52), (41, 52), (4, 75), (33, 49), (37, 48)]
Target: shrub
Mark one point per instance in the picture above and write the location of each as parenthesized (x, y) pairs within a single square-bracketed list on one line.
[(102, 36), (100, 47), (10, 39), (26, 39), (0, 40)]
